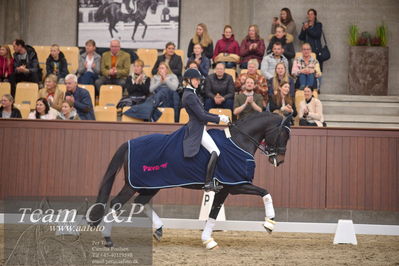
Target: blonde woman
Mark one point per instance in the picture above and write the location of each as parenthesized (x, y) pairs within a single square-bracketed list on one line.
[(163, 84), (252, 47), (281, 75), (202, 37), (52, 93)]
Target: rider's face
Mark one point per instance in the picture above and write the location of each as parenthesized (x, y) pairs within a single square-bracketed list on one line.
[(195, 82)]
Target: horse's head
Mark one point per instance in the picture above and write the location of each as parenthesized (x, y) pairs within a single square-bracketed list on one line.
[(153, 6), (276, 143)]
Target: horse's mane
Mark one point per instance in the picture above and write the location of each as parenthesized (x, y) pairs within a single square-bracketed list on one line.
[(257, 116)]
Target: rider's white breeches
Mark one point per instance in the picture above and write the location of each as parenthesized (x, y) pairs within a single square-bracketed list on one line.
[(208, 143)]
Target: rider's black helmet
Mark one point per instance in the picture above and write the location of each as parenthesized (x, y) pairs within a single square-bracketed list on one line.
[(192, 73)]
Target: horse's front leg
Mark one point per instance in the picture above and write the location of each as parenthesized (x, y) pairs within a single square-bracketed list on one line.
[(145, 29), (250, 189), (206, 236), (136, 24)]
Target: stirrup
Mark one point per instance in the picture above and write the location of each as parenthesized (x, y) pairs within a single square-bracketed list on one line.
[(212, 186), (210, 244), (269, 225)]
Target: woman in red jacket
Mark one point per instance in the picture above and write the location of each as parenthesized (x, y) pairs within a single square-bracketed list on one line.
[(6, 63), (227, 49), (252, 47)]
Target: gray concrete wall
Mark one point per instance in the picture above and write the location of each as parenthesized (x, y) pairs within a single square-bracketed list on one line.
[(43, 22)]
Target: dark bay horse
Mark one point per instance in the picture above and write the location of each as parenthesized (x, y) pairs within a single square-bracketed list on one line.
[(247, 134), (113, 13)]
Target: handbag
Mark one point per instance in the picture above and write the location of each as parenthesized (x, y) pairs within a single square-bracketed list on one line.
[(324, 53)]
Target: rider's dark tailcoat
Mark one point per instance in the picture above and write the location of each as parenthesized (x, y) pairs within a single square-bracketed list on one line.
[(198, 119)]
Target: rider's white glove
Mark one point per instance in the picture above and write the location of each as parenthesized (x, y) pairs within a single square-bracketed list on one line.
[(224, 118)]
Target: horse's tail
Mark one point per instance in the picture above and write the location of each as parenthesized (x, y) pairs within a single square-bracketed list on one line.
[(108, 180)]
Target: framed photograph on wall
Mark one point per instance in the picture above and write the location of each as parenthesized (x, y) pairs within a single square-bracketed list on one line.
[(136, 23)]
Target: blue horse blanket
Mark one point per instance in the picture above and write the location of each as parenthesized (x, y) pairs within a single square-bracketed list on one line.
[(157, 161)]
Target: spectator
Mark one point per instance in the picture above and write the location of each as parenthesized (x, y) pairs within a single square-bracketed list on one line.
[(284, 20), (306, 68), (202, 61), (247, 102), (252, 47), (56, 63), (89, 64), (7, 109), (42, 110), (285, 40), (311, 33), (310, 110), (6, 63), (115, 67), (219, 89), (67, 112), (260, 81), (201, 37), (78, 97), (52, 93), (164, 85), (172, 59), (227, 50), (138, 84), (281, 75), (282, 103), (270, 61), (26, 64)]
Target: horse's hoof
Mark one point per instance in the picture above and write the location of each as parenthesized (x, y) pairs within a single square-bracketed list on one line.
[(210, 244), (269, 225), (108, 242), (158, 234)]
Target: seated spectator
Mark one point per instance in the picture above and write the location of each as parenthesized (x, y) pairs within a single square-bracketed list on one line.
[(42, 110), (219, 89), (89, 64), (260, 81), (67, 112), (284, 20), (138, 84), (306, 68), (7, 109), (252, 47), (282, 103), (270, 61), (56, 63), (79, 98), (6, 63), (247, 102), (281, 75), (203, 62), (115, 67), (311, 110), (311, 32), (227, 50), (172, 59), (164, 85), (201, 37), (26, 64), (200, 90), (53, 95), (285, 40)]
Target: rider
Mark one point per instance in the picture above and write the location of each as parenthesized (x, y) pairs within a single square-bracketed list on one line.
[(196, 134)]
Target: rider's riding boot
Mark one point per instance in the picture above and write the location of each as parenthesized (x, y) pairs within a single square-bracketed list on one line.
[(210, 183)]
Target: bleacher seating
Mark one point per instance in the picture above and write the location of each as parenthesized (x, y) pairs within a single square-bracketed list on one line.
[(27, 93), (5, 88), (168, 115), (110, 95), (91, 90), (105, 113), (24, 109), (72, 56), (183, 118), (149, 56), (231, 72)]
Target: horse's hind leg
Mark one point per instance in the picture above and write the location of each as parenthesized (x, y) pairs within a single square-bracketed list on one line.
[(145, 28), (144, 198), (218, 201), (136, 24), (250, 189)]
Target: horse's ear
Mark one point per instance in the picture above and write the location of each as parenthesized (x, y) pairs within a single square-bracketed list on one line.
[(286, 121)]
